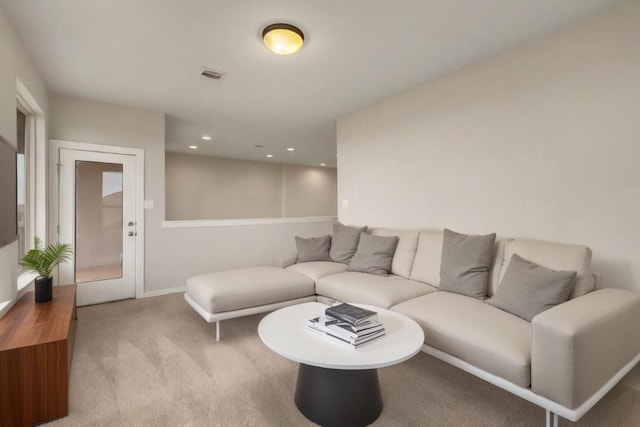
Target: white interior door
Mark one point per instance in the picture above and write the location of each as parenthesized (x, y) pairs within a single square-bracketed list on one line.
[(97, 197)]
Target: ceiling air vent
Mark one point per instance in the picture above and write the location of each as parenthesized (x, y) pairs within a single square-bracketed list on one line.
[(211, 73)]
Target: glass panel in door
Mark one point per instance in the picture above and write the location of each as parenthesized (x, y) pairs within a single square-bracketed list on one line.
[(99, 221)]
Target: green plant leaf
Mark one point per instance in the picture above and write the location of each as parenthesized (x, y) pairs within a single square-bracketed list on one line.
[(44, 259)]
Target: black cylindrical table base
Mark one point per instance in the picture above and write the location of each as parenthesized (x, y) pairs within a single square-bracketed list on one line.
[(336, 397)]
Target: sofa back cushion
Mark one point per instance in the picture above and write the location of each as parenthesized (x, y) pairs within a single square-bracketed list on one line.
[(557, 256), (496, 265), (426, 265), (313, 248), (405, 250), (466, 261), (344, 242), (374, 254), (528, 289)]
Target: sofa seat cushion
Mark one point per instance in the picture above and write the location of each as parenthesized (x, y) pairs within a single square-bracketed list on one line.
[(380, 291), (318, 269), (476, 332), (248, 287)]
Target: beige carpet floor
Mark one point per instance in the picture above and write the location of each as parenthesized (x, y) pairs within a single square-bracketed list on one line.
[(155, 362)]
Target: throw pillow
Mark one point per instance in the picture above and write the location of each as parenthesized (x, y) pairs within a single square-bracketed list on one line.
[(374, 254), (313, 248), (465, 262), (527, 289), (344, 242)]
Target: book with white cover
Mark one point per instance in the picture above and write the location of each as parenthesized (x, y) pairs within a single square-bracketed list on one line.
[(328, 324), (329, 327), (352, 343)]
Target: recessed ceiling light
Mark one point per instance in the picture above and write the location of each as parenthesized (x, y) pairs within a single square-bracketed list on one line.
[(193, 147), (283, 39), (269, 155), (291, 149), (206, 137), (323, 164)]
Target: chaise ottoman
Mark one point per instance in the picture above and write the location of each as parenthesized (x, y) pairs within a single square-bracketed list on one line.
[(235, 293)]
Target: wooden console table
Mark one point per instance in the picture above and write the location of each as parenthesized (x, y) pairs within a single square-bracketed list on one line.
[(36, 346)]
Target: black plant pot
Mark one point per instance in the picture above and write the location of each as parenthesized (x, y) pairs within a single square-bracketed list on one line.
[(44, 289)]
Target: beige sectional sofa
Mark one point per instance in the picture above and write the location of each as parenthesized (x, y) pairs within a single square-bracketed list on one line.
[(564, 360)]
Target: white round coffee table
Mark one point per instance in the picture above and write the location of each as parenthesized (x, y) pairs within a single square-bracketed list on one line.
[(338, 385)]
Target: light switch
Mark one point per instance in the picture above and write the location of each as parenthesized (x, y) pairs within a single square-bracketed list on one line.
[(149, 204), (345, 203)]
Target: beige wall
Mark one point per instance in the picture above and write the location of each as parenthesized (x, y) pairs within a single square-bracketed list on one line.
[(171, 255), (541, 142), (309, 191), (202, 187), (15, 63)]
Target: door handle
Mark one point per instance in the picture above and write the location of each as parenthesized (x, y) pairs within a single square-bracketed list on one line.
[(131, 233)]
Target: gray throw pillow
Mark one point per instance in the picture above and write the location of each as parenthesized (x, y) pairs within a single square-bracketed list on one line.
[(374, 254), (344, 242), (527, 289), (464, 267), (313, 248)]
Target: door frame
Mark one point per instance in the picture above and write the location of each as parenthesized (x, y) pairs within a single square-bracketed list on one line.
[(54, 191)]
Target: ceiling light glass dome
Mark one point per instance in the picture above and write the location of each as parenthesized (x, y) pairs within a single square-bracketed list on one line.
[(283, 39)]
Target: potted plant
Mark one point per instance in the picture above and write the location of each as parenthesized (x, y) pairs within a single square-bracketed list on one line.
[(43, 260)]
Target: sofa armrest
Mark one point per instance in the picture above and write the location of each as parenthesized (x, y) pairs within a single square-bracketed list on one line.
[(284, 261), (580, 345)]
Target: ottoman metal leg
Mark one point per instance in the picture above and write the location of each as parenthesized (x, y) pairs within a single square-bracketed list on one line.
[(335, 397)]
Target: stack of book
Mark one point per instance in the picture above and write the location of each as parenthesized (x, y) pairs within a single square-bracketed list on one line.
[(348, 324)]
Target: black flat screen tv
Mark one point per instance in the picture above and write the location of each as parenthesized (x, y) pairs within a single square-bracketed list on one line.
[(8, 194)]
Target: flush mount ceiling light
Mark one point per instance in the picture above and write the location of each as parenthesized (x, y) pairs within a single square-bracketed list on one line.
[(283, 39)]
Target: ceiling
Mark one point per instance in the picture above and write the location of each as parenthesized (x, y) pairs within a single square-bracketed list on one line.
[(148, 54)]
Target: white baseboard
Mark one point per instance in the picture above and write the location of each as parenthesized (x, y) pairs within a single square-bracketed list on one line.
[(160, 292)]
